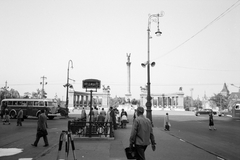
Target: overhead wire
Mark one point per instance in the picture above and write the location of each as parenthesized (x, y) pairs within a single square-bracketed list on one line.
[(233, 6)]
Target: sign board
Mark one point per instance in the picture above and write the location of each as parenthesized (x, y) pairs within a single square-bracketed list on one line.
[(91, 83)]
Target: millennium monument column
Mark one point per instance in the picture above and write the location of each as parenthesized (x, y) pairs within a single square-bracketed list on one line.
[(128, 94)]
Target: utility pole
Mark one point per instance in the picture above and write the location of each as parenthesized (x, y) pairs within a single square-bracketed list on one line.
[(43, 83), (191, 97)]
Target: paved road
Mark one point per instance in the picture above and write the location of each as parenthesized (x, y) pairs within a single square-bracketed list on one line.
[(225, 141), (12, 136), (187, 127)]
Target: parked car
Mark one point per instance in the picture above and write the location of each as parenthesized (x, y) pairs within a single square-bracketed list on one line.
[(205, 112)]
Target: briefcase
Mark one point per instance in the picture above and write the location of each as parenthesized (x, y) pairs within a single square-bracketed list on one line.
[(130, 153)]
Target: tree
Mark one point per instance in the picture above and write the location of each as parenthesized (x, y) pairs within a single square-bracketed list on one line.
[(36, 94), (12, 93), (220, 100), (187, 103), (197, 104)]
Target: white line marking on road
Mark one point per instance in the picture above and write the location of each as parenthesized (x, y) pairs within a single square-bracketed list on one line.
[(182, 140)]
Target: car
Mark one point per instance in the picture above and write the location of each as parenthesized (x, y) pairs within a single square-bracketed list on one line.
[(205, 112)]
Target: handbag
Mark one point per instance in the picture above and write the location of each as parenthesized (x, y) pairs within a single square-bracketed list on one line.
[(130, 153)]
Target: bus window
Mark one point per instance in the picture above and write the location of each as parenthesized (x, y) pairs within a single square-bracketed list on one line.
[(41, 103), (15, 102), (9, 103), (46, 104), (24, 103), (19, 103), (30, 103), (36, 103)]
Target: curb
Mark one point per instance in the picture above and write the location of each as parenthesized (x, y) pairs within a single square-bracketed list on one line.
[(46, 151)]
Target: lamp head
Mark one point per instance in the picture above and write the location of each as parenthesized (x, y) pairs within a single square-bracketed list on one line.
[(143, 65), (153, 64), (158, 33)]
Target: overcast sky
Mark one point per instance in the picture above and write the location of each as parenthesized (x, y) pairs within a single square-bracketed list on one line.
[(199, 47)]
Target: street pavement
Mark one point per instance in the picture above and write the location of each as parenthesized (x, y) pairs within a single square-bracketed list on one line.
[(169, 147)]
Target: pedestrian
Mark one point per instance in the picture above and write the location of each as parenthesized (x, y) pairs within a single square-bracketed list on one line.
[(141, 134), (42, 129), (167, 124), (95, 111), (108, 119), (211, 122), (113, 117), (19, 117), (91, 115), (6, 117), (3, 108), (103, 112), (135, 114), (124, 118), (83, 115)]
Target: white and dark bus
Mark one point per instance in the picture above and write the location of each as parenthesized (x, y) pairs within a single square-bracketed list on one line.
[(30, 107)]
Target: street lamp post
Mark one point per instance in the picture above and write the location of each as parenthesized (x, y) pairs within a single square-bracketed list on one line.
[(67, 85), (158, 33)]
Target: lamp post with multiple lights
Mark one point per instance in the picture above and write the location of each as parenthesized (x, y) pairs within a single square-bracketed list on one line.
[(148, 63)]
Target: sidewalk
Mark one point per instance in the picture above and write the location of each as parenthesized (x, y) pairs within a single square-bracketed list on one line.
[(168, 148)]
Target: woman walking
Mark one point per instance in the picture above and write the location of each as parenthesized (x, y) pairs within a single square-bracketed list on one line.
[(166, 124), (211, 123)]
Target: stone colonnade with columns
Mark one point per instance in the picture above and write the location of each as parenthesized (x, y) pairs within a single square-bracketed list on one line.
[(172, 101), (82, 99)]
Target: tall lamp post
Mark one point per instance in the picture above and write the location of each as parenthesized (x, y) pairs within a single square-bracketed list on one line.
[(148, 63), (68, 85)]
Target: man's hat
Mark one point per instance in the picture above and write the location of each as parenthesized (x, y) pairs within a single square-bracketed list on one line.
[(140, 109)]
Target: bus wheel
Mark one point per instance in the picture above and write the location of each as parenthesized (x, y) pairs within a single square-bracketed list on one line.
[(13, 114), (63, 113)]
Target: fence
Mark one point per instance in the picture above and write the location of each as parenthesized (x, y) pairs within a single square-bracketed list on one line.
[(91, 129)]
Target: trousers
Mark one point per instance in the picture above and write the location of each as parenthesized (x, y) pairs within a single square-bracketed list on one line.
[(38, 138), (140, 152)]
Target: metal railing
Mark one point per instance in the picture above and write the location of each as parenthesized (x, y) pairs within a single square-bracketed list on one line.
[(91, 129)]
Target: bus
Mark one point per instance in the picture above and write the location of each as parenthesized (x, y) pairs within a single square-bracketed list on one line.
[(30, 107)]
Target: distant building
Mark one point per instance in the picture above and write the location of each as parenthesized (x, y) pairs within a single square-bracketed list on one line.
[(225, 91)]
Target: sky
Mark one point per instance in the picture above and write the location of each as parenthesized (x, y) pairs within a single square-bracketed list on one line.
[(198, 49)]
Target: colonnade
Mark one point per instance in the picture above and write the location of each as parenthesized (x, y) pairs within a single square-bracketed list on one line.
[(171, 101), (82, 99), (159, 101)]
